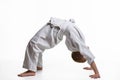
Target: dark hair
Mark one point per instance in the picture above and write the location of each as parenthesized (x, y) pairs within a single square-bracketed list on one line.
[(77, 57)]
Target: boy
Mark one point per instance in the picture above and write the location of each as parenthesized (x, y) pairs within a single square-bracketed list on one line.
[(49, 36)]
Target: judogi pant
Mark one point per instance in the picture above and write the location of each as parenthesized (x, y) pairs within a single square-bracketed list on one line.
[(49, 36)]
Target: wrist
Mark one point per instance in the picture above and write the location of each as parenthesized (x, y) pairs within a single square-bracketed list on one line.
[(96, 72)]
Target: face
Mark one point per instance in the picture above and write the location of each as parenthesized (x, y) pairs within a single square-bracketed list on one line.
[(77, 57)]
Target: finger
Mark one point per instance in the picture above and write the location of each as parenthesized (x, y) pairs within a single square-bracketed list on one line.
[(92, 76), (87, 68), (95, 77)]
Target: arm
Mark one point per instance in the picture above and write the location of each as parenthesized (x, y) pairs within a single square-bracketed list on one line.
[(96, 72), (92, 67)]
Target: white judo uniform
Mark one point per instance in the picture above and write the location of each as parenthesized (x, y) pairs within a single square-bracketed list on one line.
[(49, 36)]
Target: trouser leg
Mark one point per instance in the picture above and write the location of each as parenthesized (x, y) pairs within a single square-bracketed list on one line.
[(45, 38), (31, 56), (40, 61)]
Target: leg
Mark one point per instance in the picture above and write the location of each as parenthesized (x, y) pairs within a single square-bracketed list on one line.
[(34, 52), (44, 39), (31, 56), (31, 59), (40, 62)]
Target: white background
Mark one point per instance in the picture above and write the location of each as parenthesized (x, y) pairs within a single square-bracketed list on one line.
[(99, 21)]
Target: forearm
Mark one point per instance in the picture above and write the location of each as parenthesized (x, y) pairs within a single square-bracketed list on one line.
[(94, 67)]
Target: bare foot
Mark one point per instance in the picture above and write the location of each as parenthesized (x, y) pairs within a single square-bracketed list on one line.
[(27, 73), (87, 68), (39, 68)]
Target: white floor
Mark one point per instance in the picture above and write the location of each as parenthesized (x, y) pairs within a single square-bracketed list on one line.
[(58, 65)]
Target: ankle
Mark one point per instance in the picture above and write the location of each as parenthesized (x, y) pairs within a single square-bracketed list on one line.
[(31, 71)]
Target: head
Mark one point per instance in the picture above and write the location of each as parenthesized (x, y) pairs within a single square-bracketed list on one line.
[(77, 57)]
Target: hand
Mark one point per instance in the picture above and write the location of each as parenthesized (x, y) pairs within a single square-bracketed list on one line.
[(87, 68), (95, 76)]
